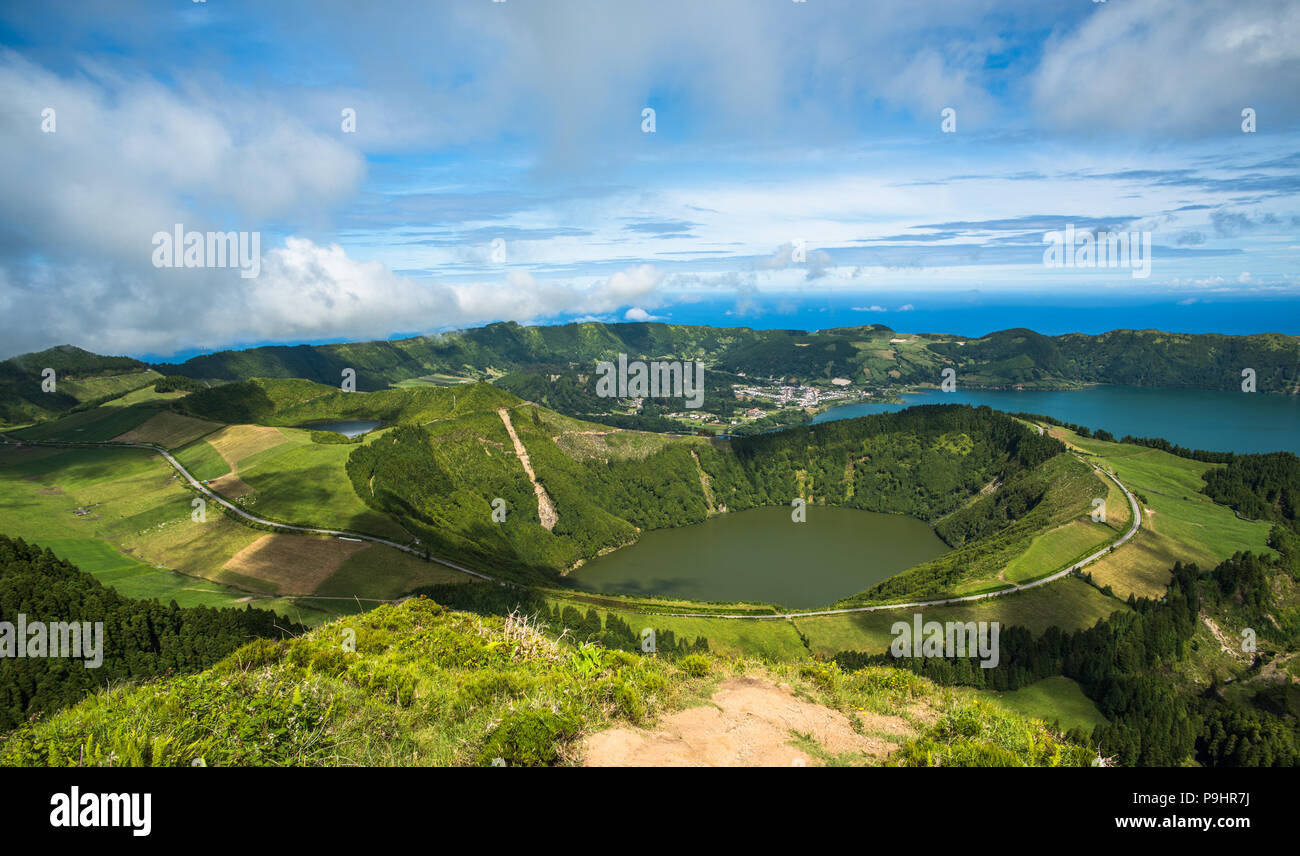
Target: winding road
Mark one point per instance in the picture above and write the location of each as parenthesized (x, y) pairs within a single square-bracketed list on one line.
[(216, 497)]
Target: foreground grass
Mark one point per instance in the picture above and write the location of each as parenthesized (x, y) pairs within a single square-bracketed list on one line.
[(416, 684)]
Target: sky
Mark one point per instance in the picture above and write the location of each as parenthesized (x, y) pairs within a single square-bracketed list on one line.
[(414, 167)]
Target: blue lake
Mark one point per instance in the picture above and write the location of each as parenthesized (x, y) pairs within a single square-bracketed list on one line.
[(1194, 418)]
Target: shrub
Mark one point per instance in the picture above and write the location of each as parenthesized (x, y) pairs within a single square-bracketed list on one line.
[(824, 675), (694, 665), (628, 700), (528, 738)]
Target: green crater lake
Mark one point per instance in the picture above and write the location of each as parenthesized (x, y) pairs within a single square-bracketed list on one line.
[(761, 555)]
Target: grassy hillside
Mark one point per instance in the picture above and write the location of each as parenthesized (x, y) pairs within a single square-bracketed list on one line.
[(1180, 523), (80, 379), (270, 401), (417, 684)]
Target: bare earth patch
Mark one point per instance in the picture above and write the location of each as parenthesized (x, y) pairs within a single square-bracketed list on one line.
[(750, 723), (545, 507), (236, 442), (230, 486), (298, 564)]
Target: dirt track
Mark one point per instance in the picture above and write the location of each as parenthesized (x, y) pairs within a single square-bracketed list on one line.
[(750, 723)]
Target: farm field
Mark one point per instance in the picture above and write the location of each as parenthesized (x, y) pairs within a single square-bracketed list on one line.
[(1179, 522), (123, 515), (169, 430), (97, 425), (280, 474)]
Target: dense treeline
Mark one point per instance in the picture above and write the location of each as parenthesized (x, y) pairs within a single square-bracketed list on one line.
[(1261, 487), (1182, 452), (179, 383), (141, 639), (1203, 361), (1122, 664), (923, 461)]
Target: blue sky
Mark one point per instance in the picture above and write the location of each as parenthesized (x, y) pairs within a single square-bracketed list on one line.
[(500, 167)]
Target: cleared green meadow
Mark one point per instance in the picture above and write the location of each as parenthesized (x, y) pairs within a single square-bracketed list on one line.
[(103, 386), (1069, 603), (1055, 699), (307, 483), (1061, 547)]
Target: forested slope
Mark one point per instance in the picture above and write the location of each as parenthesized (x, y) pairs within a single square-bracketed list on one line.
[(141, 639)]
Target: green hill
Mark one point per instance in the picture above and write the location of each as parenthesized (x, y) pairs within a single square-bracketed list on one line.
[(82, 379), (279, 401), (417, 684)]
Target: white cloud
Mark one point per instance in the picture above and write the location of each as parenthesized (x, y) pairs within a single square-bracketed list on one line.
[(636, 313), (1167, 67)]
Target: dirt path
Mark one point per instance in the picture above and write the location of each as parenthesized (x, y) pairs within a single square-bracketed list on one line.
[(706, 484), (1222, 638), (545, 508), (750, 723)]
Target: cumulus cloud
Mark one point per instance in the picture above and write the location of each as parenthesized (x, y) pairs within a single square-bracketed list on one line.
[(304, 292), (1173, 67)]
